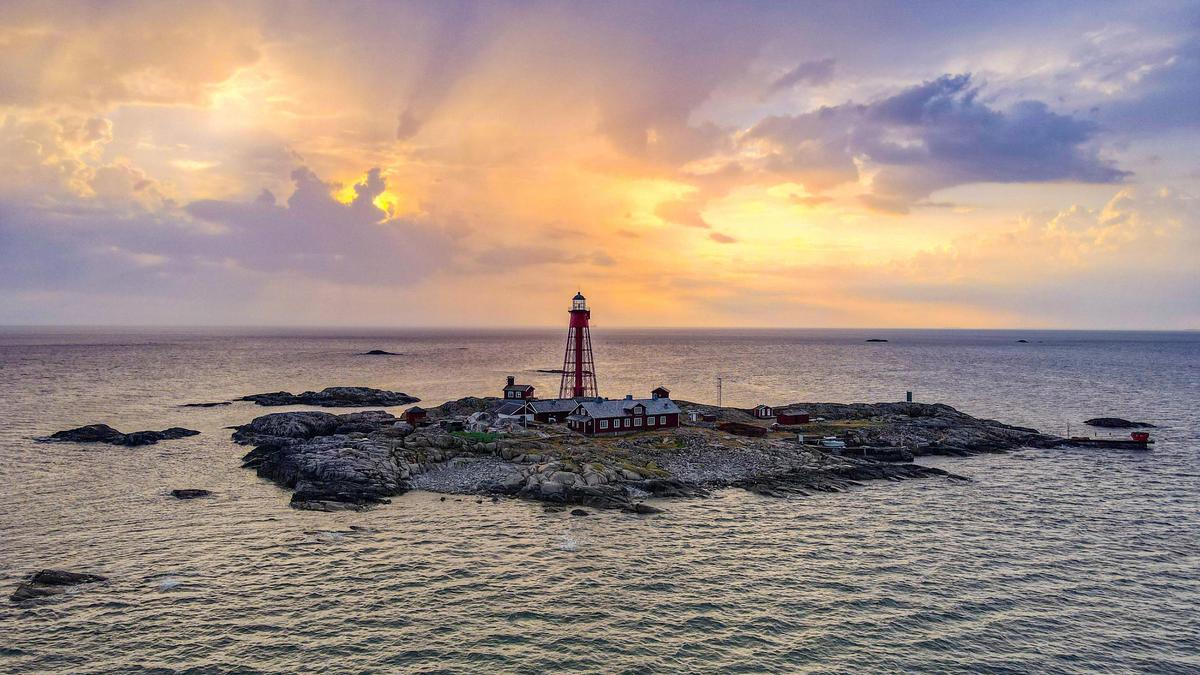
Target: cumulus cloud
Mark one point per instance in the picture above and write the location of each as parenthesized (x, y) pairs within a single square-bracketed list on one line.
[(316, 235), (931, 136)]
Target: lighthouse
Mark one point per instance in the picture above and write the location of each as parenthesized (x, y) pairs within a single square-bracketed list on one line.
[(578, 371)]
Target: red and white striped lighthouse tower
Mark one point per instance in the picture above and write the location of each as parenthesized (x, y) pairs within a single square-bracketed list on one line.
[(579, 373)]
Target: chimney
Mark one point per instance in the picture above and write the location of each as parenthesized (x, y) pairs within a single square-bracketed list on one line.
[(628, 397), (511, 380)]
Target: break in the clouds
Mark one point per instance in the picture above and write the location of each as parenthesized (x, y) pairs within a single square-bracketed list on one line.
[(716, 163)]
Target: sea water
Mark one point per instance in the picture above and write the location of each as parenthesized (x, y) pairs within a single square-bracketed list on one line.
[(1046, 561)]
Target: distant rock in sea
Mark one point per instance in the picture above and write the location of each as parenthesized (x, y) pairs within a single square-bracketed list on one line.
[(380, 352), (334, 397), (876, 340), (1023, 341), (1117, 423), (190, 493), (102, 433), (51, 582), (557, 371), (205, 405)]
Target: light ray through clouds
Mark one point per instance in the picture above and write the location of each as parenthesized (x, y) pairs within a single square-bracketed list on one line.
[(723, 164)]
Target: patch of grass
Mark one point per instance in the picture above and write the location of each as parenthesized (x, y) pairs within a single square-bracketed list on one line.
[(477, 436)]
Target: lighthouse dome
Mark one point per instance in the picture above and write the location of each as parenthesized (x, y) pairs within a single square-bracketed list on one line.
[(578, 303)]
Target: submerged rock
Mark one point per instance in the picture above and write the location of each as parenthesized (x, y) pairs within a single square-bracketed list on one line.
[(102, 433), (334, 397), (190, 493), (211, 404), (51, 582), (1116, 423), (380, 352)]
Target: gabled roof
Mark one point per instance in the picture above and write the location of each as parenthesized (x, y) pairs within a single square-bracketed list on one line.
[(518, 387), (621, 407), (554, 405), (511, 408)]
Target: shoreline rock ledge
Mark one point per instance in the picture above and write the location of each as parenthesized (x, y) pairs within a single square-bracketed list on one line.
[(334, 397)]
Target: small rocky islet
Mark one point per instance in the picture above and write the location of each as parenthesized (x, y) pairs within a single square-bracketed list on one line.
[(1116, 423), (102, 433), (51, 582), (334, 397), (357, 460)]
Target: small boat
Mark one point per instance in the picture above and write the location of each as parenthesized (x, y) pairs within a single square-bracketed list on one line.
[(832, 442)]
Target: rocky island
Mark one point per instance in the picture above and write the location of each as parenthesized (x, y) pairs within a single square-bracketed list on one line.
[(360, 459), (102, 433), (334, 397)]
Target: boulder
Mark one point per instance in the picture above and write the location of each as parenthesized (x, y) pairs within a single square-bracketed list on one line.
[(579, 512), (301, 424), (51, 582)]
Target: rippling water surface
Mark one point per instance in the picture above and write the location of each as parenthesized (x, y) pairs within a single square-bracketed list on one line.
[(1048, 561)]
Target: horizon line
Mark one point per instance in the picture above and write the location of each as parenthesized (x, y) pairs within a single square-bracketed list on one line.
[(540, 327)]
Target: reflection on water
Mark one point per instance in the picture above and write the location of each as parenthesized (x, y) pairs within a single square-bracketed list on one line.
[(1047, 561)]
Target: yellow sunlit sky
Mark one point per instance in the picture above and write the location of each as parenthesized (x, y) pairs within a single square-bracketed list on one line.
[(684, 164)]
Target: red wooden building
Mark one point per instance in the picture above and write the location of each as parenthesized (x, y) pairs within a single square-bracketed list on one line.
[(790, 417), (603, 416), (522, 392)]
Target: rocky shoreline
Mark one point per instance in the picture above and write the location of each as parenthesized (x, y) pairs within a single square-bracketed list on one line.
[(358, 460)]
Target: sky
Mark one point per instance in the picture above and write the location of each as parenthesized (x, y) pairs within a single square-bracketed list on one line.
[(715, 164)]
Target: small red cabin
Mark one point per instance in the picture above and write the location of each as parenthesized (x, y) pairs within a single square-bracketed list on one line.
[(415, 415), (763, 412), (790, 417), (520, 392)]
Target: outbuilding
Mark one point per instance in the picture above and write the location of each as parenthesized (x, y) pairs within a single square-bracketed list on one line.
[(553, 410), (415, 415), (791, 417), (521, 392), (763, 412)]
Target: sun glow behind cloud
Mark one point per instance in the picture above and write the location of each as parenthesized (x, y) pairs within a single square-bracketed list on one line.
[(715, 165)]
